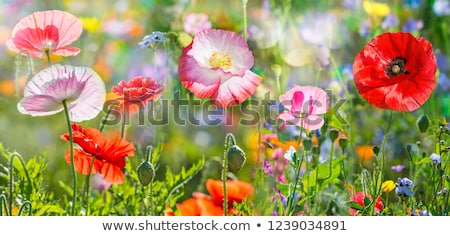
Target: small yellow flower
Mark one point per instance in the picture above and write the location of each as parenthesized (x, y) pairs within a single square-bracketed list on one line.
[(375, 8), (90, 24), (388, 186)]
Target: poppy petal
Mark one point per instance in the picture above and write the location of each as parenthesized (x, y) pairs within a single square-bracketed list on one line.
[(236, 90), (39, 105), (201, 81)]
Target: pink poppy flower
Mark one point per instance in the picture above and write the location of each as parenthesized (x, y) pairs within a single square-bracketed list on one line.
[(46, 32), (304, 104), (216, 65), (196, 22), (81, 87)]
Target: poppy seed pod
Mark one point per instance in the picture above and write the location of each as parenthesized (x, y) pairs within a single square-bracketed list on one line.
[(146, 173), (423, 123), (236, 158)]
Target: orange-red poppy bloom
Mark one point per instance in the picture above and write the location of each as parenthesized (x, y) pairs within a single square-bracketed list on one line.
[(359, 198), (365, 152), (212, 205), (136, 92), (108, 154), (396, 71)]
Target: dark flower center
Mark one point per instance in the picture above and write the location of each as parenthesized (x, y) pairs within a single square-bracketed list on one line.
[(397, 67)]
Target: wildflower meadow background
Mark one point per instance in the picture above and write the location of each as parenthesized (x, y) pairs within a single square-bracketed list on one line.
[(242, 107)]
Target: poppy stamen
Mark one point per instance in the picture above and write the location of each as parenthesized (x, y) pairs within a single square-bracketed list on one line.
[(397, 67)]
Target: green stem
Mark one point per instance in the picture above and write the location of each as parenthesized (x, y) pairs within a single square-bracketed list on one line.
[(87, 184), (3, 205), (105, 119), (47, 52), (152, 211), (72, 159), (244, 9), (228, 139), (11, 175), (297, 170), (25, 204), (383, 147), (331, 159), (122, 132)]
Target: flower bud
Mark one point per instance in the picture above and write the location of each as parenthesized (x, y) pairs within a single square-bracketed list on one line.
[(376, 150), (146, 173), (343, 142), (423, 123), (307, 144), (236, 158), (334, 134)]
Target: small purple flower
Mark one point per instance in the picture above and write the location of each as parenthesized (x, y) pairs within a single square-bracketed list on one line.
[(412, 25), (364, 29), (403, 187), (390, 21), (442, 61), (435, 158), (268, 169), (398, 168), (444, 82)]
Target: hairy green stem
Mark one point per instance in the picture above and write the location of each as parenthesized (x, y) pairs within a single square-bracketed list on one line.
[(11, 175), (228, 139), (72, 158)]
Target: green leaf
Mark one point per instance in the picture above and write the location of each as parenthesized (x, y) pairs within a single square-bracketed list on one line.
[(356, 206)]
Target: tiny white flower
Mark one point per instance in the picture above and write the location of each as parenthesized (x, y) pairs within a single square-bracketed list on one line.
[(289, 154)]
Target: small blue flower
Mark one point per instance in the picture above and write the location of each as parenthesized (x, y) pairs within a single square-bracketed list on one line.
[(149, 40), (412, 25), (435, 158), (403, 188)]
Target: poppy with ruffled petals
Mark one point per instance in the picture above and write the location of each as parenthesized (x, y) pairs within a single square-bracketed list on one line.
[(359, 198), (109, 154), (136, 92), (304, 105), (396, 71), (45, 33), (216, 65)]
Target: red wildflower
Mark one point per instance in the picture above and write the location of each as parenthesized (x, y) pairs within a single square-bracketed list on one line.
[(396, 71), (359, 198), (46, 32), (203, 205), (136, 92), (109, 154)]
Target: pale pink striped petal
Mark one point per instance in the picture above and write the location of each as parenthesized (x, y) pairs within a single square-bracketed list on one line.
[(52, 30), (236, 89), (81, 88), (209, 41), (39, 105), (201, 81)]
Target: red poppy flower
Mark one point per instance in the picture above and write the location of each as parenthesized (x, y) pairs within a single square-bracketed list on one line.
[(359, 198), (109, 154), (203, 205), (396, 71), (136, 92)]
